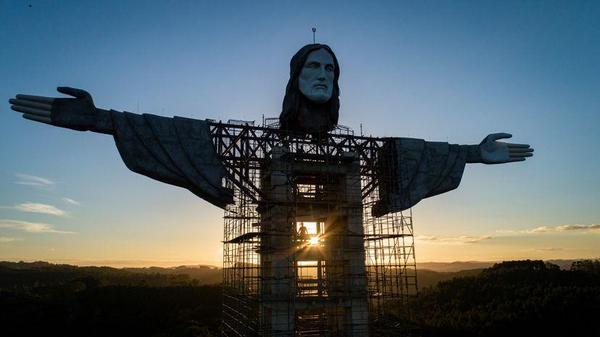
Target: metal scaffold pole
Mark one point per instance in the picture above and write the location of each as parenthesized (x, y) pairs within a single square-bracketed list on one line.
[(302, 254)]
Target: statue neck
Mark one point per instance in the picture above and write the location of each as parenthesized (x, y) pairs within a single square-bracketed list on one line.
[(313, 118)]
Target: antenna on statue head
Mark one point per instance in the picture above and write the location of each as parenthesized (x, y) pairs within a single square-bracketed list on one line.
[(314, 30)]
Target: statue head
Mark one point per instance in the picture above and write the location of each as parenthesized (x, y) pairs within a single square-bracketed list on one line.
[(311, 103)]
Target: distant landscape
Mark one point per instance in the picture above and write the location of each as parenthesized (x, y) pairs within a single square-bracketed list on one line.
[(537, 298)]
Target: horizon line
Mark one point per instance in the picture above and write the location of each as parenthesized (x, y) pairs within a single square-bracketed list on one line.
[(188, 263)]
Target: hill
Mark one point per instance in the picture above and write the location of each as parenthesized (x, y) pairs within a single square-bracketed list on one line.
[(428, 278), (452, 267), (33, 274), (457, 266), (39, 299), (530, 298), (523, 298)]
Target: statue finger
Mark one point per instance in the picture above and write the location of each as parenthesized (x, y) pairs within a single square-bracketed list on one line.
[(496, 136), (520, 155), (79, 93), (36, 118), (520, 149), (516, 159), (512, 145), (40, 99), (31, 111), (30, 104)]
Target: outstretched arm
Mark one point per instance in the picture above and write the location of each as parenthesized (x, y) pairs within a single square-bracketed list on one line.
[(177, 151), (413, 169), (491, 151), (77, 113)]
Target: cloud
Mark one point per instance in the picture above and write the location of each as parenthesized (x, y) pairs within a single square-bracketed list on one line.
[(508, 231), (71, 201), (454, 239), (549, 249), (30, 227), (570, 228), (4, 239), (563, 228), (593, 228), (474, 239), (32, 207), (31, 180)]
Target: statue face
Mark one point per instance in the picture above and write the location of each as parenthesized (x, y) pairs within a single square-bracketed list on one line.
[(316, 78)]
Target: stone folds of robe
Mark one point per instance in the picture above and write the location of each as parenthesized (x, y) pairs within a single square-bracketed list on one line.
[(177, 151), (410, 170)]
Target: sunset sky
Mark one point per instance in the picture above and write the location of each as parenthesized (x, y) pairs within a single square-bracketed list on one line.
[(440, 70)]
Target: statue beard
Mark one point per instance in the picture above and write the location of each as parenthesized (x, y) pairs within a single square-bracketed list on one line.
[(313, 117)]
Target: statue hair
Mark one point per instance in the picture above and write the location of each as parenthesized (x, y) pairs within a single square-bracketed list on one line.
[(294, 101)]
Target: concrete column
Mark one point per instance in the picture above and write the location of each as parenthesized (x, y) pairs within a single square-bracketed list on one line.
[(278, 229), (358, 313)]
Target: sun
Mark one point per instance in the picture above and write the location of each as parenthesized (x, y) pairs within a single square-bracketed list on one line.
[(313, 241)]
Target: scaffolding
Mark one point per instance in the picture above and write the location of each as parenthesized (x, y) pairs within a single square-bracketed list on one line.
[(302, 253)]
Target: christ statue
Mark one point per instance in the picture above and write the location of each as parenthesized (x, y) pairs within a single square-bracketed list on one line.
[(180, 151)]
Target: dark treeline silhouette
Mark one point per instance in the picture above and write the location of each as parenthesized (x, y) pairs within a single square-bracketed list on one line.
[(514, 298), (42, 299), (429, 278), (35, 274)]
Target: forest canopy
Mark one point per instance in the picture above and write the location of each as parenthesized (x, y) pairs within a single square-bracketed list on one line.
[(529, 298)]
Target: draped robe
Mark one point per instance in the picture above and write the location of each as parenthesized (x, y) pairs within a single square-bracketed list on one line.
[(179, 151), (410, 170)]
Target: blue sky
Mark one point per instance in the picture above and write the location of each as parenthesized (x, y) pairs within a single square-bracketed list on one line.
[(439, 70)]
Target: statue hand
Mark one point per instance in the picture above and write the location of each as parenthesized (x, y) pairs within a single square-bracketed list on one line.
[(77, 113), (494, 152)]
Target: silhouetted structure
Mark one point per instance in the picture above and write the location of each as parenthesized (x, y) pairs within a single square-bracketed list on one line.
[(279, 283), (276, 179)]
